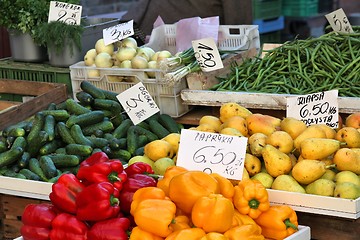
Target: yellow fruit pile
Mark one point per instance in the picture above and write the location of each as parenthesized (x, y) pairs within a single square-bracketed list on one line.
[(285, 154)]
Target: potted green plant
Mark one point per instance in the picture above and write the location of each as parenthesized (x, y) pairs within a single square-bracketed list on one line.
[(20, 18)]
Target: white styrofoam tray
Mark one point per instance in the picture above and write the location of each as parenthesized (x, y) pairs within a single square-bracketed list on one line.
[(302, 234)]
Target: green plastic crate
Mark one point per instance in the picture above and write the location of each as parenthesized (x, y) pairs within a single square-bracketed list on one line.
[(266, 9), (10, 69), (300, 8)]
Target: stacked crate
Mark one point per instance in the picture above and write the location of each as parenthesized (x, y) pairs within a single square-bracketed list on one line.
[(267, 14)]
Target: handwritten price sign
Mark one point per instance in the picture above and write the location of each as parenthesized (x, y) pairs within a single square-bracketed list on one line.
[(138, 103), (316, 108), (339, 22), (207, 54), (212, 152), (118, 32), (65, 12)]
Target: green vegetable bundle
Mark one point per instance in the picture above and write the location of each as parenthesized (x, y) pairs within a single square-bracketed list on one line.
[(331, 61)]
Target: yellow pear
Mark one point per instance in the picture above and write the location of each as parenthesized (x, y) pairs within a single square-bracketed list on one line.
[(230, 109), (252, 164), (292, 126), (329, 174), (347, 159), (329, 132), (276, 162), (307, 171), (238, 123), (311, 131), (231, 131), (212, 121), (347, 176), (347, 190), (287, 183), (349, 135), (353, 120), (318, 148), (323, 187), (265, 178), (262, 123), (281, 140), (256, 143)]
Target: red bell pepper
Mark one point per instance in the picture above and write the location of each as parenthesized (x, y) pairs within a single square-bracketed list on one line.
[(98, 201), (65, 191), (133, 183), (67, 226), (110, 229), (37, 219), (95, 158), (139, 167), (110, 171)]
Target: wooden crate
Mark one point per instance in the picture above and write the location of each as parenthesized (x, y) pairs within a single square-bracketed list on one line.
[(43, 93), (12, 210)]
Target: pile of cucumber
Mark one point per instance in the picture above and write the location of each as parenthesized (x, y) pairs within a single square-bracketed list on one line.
[(57, 139)]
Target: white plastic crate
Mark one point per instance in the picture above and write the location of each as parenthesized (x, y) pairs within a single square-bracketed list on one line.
[(119, 79), (231, 37)]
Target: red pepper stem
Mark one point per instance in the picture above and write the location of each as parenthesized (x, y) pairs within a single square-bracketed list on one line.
[(288, 224), (254, 204), (155, 176), (113, 177), (114, 201)]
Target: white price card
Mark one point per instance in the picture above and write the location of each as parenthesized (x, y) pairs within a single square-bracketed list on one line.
[(339, 21), (315, 108), (207, 54), (138, 103), (118, 32), (212, 152), (65, 12)]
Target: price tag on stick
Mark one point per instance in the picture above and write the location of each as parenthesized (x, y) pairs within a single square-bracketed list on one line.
[(65, 12), (207, 54), (316, 108), (138, 103), (212, 152), (339, 21), (118, 32)]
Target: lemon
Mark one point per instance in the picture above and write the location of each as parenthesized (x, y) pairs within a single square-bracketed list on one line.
[(158, 149), (230, 109), (212, 121), (174, 140)]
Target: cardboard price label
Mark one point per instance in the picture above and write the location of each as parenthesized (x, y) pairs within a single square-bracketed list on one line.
[(316, 108), (207, 54), (65, 12), (118, 32), (138, 103), (212, 152), (339, 21)]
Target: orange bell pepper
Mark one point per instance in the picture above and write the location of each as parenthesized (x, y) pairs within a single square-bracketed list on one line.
[(187, 187), (213, 213), (245, 232), (188, 234), (278, 222), (170, 172), (226, 186), (146, 193), (180, 222), (242, 219), (138, 234), (214, 236), (251, 198)]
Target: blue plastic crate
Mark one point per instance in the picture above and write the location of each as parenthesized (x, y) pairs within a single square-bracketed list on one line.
[(270, 25)]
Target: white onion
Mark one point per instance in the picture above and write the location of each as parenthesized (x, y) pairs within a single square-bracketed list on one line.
[(139, 62), (125, 53)]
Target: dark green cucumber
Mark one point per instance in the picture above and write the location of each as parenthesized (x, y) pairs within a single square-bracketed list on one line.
[(23, 162), (139, 151), (50, 147), (37, 126), (169, 123), (64, 160), (91, 89), (107, 104), (117, 143), (84, 98), (86, 118), (110, 95), (78, 149), (98, 142), (72, 170), (48, 166), (75, 108), (58, 114), (121, 154), (35, 145), (10, 156), (60, 150), (34, 166), (158, 129), (29, 174), (17, 132), (22, 124), (131, 138), (49, 126), (19, 142), (106, 126), (9, 173), (150, 135), (154, 116), (3, 147), (77, 134), (122, 129), (116, 120), (64, 133), (51, 106), (144, 124), (142, 141)]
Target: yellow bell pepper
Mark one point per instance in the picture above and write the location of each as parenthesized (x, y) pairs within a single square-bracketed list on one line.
[(245, 232), (188, 234), (226, 186), (251, 198), (180, 222), (170, 172), (278, 222), (213, 213), (187, 187), (242, 219), (153, 215), (138, 234), (214, 236)]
